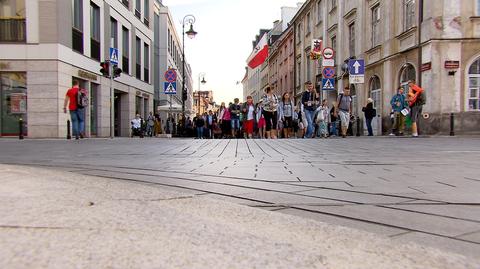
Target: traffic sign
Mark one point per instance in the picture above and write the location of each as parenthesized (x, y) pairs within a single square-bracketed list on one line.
[(356, 67), (171, 75), (328, 62), (328, 53), (170, 87), (114, 55), (328, 72), (328, 84)]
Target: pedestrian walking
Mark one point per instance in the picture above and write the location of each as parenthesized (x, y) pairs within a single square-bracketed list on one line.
[(399, 103), (248, 110), (199, 124), (76, 99), (309, 101), (416, 99), (225, 120), (322, 116), (235, 111), (261, 124), (302, 122), (333, 120), (370, 113), (344, 110), (150, 124), (210, 120), (286, 110), (270, 106), (157, 125)]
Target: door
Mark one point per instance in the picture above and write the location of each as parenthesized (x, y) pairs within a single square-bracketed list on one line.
[(13, 105)]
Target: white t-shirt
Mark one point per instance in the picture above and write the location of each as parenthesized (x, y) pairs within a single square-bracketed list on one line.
[(251, 110), (136, 123)]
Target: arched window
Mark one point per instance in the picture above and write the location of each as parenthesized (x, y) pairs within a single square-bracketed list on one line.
[(375, 91), (474, 86), (407, 73)]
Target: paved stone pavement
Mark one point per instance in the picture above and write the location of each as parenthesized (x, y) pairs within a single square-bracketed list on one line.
[(56, 219), (423, 190)]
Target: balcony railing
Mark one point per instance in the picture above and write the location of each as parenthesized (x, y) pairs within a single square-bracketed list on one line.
[(12, 30)]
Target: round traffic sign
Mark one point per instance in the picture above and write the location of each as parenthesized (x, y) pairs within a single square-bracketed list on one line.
[(171, 75), (328, 72), (328, 53)]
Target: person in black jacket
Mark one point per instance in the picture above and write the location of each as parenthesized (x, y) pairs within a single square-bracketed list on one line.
[(199, 123), (370, 113)]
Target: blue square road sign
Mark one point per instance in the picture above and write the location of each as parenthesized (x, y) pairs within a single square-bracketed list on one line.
[(356, 67)]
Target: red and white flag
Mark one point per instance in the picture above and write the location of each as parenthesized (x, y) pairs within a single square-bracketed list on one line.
[(259, 54)]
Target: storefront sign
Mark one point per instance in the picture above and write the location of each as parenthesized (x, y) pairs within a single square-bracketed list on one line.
[(87, 75), (426, 66), (452, 64), (18, 103)]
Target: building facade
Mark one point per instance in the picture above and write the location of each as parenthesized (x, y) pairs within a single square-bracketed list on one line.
[(281, 63), (42, 50), (170, 56), (437, 43), (203, 102)]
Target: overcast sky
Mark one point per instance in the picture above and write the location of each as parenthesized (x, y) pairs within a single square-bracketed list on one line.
[(226, 29)]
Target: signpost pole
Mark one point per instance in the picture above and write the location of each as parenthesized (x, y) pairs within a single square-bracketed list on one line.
[(112, 102)]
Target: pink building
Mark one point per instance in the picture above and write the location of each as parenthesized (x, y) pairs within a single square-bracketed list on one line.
[(281, 63)]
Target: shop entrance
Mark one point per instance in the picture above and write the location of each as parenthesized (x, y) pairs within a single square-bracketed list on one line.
[(13, 103)]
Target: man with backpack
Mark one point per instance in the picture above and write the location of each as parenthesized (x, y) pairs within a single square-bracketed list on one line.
[(416, 100), (309, 102), (77, 100), (344, 110)]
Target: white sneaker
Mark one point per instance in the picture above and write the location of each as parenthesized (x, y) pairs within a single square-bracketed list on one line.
[(414, 135), (391, 134)]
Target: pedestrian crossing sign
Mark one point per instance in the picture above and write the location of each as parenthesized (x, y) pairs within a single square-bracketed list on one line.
[(170, 87), (328, 84), (114, 55)]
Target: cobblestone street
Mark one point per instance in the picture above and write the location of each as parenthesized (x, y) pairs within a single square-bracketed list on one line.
[(422, 190)]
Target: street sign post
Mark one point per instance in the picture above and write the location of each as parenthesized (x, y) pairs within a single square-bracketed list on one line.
[(328, 84), (328, 53), (170, 87), (114, 56), (356, 69), (328, 72), (171, 75)]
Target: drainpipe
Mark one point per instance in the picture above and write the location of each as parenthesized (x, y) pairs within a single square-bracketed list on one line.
[(419, 27)]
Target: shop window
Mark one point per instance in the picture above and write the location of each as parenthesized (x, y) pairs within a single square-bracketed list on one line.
[(375, 92), (474, 86)]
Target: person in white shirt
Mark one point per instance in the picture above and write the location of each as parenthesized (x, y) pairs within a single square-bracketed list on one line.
[(249, 116), (137, 126)]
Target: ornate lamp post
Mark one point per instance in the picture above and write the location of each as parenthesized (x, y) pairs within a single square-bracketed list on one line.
[(188, 19)]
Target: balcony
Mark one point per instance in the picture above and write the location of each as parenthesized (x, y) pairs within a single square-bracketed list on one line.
[(12, 30)]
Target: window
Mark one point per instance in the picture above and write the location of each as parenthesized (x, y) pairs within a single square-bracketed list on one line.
[(309, 25), (77, 28), (408, 14), (12, 21), (333, 4), (351, 39), (125, 50), (474, 86), (146, 62), (169, 41), (138, 8), (319, 11), (406, 74), (114, 32), (94, 31), (333, 42), (138, 66), (478, 8), (375, 92), (146, 14), (375, 25), (299, 33), (299, 73), (126, 3)]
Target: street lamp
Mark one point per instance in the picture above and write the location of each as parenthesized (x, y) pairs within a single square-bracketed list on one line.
[(188, 19), (201, 80)]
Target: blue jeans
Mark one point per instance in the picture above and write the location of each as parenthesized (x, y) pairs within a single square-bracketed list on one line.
[(235, 124), (78, 121), (200, 132), (369, 127), (333, 128), (310, 128)]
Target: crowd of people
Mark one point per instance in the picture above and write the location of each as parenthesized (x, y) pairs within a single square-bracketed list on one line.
[(280, 117)]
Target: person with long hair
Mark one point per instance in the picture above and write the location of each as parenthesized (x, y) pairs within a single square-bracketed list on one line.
[(286, 111), (260, 120), (248, 111), (270, 106), (224, 117)]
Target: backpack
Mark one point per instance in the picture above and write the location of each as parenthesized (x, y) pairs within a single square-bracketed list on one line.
[(422, 98), (82, 98)]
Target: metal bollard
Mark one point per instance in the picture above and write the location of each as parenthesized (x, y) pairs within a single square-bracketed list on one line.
[(20, 129), (358, 126), (452, 124), (69, 135)]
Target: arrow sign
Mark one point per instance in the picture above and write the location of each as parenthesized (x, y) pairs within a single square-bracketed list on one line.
[(356, 67)]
